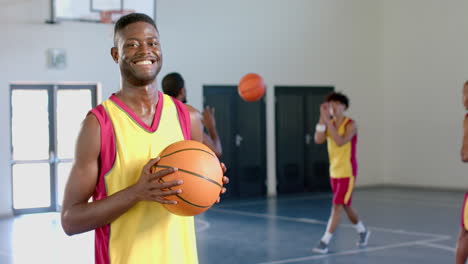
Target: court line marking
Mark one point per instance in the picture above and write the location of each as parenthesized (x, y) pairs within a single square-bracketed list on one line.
[(413, 192), (413, 201), (201, 225), (449, 196), (427, 242), (278, 199), (453, 199), (354, 251), (314, 221), (357, 197), (447, 248)]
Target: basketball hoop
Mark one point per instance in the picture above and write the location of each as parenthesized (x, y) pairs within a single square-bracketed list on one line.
[(111, 16)]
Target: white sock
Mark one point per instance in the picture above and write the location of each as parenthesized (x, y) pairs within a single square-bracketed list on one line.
[(360, 228), (327, 237)]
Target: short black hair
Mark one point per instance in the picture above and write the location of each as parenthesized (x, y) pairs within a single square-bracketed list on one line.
[(172, 83), (132, 18), (337, 97)]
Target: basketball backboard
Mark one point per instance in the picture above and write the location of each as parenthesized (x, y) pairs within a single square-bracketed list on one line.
[(100, 11)]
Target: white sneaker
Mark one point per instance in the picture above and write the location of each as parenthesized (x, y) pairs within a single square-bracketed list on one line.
[(321, 248), (363, 238)]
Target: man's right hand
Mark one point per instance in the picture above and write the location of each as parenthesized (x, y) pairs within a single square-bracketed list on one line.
[(324, 112), (209, 118), (150, 188)]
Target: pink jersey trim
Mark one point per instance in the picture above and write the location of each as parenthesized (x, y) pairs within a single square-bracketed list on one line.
[(184, 118), (157, 114), (353, 155), (353, 158), (106, 162)]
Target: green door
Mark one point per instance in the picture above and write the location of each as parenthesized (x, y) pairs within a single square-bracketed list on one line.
[(301, 165), (241, 127)]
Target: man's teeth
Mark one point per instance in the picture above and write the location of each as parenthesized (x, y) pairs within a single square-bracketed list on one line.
[(146, 62)]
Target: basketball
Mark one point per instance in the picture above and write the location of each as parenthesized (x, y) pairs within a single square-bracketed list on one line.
[(251, 87), (201, 172)]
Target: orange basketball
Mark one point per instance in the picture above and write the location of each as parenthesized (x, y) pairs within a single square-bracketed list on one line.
[(251, 87), (201, 172)]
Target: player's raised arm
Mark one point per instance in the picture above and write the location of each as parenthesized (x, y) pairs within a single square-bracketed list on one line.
[(464, 149)]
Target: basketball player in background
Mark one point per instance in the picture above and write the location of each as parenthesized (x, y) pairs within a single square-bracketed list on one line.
[(115, 151), (174, 85), (340, 132), (462, 243)]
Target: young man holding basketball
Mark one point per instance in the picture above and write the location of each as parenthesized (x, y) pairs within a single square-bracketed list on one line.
[(174, 85), (115, 151), (462, 243), (340, 132)]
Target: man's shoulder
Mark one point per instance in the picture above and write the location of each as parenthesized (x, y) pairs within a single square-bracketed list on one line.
[(191, 109)]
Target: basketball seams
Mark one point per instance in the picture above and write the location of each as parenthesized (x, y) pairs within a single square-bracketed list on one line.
[(177, 151), (251, 87), (187, 201), (192, 173), (249, 92), (202, 175)]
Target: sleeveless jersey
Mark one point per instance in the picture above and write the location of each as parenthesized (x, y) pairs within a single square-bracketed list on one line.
[(343, 162), (147, 233)]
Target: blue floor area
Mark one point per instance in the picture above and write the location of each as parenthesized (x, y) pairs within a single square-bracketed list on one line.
[(408, 226)]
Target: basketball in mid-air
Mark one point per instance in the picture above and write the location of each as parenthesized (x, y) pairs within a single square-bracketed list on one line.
[(201, 172), (251, 87)]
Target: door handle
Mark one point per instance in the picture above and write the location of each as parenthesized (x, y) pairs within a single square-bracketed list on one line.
[(238, 140), (307, 138)]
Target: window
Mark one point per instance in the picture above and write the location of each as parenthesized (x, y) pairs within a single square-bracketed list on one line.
[(45, 121)]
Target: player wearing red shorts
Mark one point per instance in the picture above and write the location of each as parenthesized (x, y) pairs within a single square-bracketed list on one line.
[(340, 133)]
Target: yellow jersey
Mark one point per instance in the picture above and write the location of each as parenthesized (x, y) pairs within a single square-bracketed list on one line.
[(147, 233), (343, 163)]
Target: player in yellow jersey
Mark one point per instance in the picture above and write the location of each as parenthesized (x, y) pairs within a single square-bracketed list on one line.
[(174, 85), (462, 243), (118, 144), (340, 133)]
